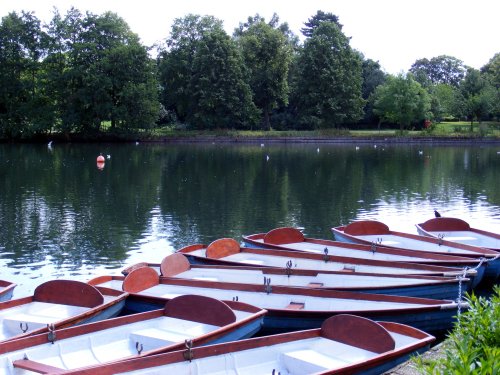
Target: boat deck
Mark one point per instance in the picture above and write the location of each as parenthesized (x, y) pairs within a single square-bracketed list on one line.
[(34, 315), (312, 264), (415, 244), (321, 280), (279, 301), (111, 344), (470, 238), (345, 252)]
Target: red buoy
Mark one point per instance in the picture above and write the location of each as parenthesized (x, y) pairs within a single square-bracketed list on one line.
[(100, 159)]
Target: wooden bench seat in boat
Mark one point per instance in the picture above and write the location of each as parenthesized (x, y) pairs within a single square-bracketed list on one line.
[(34, 366), (318, 358), (151, 338), (309, 362), (295, 306), (39, 315)]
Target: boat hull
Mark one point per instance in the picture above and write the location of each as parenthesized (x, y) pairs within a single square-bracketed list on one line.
[(6, 290), (344, 344)]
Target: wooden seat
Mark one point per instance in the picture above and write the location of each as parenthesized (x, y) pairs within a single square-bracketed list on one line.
[(310, 361), (295, 306), (37, 367)]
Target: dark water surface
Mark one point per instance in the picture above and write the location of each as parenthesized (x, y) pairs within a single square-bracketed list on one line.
[(62, 217)]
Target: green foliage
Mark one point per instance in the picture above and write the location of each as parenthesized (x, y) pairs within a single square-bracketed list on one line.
[(328, 79), (478, 96), (474, 345), (315, 21), (441, 69), (73, 76), (267, 55), (25, 109), (401, 100), (83, 70), (220, 95)]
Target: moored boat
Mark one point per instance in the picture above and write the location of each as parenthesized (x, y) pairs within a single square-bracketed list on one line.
[(296, 308), (57, 304), (344, 344), (458, 230), (294, 240), (177, 266), (371, 231), (227, 251), (201, 320), (6, 290)]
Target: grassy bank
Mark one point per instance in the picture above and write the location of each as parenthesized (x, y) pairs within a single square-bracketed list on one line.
[(453, 130), (444, 132)]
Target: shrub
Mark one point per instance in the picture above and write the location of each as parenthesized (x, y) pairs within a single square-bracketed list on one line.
[(474, 345)]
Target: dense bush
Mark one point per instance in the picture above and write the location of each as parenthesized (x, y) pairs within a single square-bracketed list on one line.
[(474, 345)]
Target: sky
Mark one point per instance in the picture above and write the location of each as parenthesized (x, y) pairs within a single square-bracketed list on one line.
[(393, 32)]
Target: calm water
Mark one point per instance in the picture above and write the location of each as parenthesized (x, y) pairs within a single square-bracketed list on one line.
[(62, 217)]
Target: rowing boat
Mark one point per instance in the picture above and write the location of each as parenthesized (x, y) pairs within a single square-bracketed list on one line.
[(293, 239), (201, 320), (370, 231), (457, 230), (294, 308), (227, 251), (6, 290), (57, 304), (345, 344), (177, 266)]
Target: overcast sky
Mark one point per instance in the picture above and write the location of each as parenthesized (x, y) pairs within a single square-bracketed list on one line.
[(393, 32)]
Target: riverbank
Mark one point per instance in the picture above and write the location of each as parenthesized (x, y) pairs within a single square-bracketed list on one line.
[(271, 139)]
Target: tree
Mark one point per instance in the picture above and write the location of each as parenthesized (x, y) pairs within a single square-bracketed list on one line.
[(175, 63), (315, 21), (329, 79), (478, 96), (220, 95), (440, 69), (491, 72), (373, 76), (22, 99), (266, 55), (100, 72), (401, 100), (443, 99)]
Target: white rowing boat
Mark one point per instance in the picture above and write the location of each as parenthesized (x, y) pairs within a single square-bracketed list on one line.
[(201, 320), (344, 344), (177, 266), (293, 308), (56, 304)]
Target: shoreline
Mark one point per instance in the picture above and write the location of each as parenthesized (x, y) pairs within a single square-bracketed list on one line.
[(439, 141)]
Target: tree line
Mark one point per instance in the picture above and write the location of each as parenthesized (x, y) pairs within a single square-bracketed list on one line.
[(87, 73)]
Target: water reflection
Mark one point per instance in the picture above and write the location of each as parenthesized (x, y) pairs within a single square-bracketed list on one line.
[(60, 216)]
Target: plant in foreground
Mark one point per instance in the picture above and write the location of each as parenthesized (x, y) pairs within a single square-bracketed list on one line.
[(474, 345)]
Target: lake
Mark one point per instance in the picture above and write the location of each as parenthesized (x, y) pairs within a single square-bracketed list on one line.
[(62, 216)]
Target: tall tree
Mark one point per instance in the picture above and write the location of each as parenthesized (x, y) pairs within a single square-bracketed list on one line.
[(329, 79), (401, 100), (100, 73), (175, 62), (267, 55), (315, 21), (373, 76), (22, 98), (491, 72), (478, 96), (440, 69), (221, 97)]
